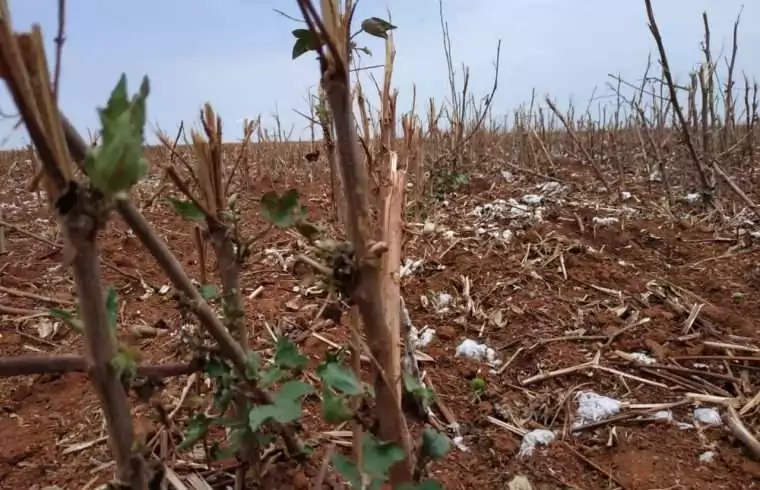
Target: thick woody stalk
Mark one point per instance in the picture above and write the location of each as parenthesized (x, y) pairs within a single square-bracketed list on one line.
[(369, 293)]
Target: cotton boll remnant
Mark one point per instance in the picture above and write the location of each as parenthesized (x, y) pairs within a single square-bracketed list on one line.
[(663, 415), (692, 197), (707, 416), (538, 437), (428, 228), (479, 352), (532, 199), (442, 302), (642, 358), (593, 408), (459, 443), (707, 457), (519, 482), (410, 267), (421, 338), (606, 221), (550, 187)]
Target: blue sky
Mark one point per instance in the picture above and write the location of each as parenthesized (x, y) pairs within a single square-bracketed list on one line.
[(236, 53)]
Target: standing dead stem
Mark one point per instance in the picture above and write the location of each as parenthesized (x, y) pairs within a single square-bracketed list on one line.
[(179, 278), (81, 221), (368, 295)]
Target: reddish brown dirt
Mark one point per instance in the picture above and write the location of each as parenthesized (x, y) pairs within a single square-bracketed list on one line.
[(42, 416)]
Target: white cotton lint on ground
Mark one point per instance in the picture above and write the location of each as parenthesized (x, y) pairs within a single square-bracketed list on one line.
[(549, 187), (532, 199), (479, 352), (422, 338), (605, 221), (692, 197), (538, 437), (593, 408), (707, 457), (642, 358), (410, 266), (459, 443), (663, 415), (707, 416)]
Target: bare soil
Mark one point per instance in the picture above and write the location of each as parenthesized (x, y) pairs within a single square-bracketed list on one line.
[(533, 299)]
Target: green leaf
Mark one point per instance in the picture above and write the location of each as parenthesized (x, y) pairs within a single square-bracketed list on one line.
[(112, 308), (377, 27), (186, 209), (478, 385), (434, 444), (270, 376), (252, 365), (263, 439), (287, 412), (118, 163), (238, 437), (364, 50), (306, 40), (222, 398), (218, 453), (230, 310), (292, 391), (339, 378), (459, 178), (378, 457), (423, 485), (415, 387), (335, 408), (232, 423), (285, 409), (286, 354), (280, 210), (196, 430), (208, 292), (217, 368), (124, 363), (347, 469), (67, 318), (258, 415)]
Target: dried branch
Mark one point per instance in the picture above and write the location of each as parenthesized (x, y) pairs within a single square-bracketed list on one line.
[(26, 365), (368, 294), (706, 187)]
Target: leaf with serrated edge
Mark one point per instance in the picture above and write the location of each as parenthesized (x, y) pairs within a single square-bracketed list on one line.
[(339, 378)]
